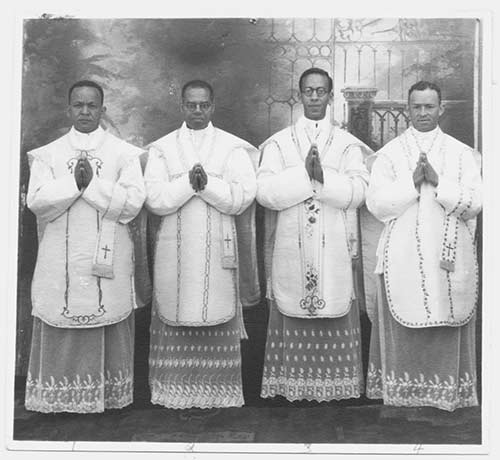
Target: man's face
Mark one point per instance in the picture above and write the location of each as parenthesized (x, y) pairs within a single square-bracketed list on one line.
[(85, 109), (315, 104), (197, 108), (425, 109)]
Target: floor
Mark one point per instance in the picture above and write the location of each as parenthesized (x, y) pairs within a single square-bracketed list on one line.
[(322, 423), (260, 421)]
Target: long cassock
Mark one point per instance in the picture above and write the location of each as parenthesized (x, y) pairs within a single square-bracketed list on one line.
[(422, 351), (313, 347), (197, 323), (83, 291)]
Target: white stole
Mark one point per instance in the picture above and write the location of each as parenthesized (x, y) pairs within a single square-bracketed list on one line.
[(87, 147), (197, 146)]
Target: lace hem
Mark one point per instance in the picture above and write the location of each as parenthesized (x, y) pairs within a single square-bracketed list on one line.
[(81, 395), (190, 403), (446, 394), (203, 396), (311, 389)]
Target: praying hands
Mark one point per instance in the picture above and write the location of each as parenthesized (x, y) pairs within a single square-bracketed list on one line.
[(198, 177), (313, 164), (83, 173), (424, 172)]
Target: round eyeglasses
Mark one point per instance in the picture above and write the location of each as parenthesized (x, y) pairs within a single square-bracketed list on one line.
[(192, 106), (308, 91)]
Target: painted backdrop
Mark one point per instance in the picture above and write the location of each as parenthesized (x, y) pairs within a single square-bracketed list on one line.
[(253, 65)]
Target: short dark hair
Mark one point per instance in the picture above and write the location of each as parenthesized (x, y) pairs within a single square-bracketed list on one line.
[(86, 84), (198, 84), (316, 70), (422, 85)]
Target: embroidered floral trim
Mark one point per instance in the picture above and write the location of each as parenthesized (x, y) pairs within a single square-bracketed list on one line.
[(209, 391), (319, 389), (312, 210), (311, 278), (447, 394), (82, 395), (312, 302), (200, 363)]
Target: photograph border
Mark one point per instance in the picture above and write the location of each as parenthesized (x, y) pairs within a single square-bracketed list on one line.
[(488, 92)]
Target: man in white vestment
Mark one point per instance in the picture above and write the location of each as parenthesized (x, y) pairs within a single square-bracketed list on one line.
[(84, 188), (312, 178), (198, 178), (425, 187)]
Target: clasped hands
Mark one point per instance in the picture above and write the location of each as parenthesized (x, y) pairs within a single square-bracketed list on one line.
[(313, 164), (198, 177), (424, 172), (83, 173)]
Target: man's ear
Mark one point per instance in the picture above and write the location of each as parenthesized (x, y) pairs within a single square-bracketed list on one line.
[(103, 110), (442, 107)]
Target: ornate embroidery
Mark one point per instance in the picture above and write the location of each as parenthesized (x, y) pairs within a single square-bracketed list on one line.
[(206, 394), (449, 248), (80, 319), (447, 394), (311, 278), (312, 302), (450, 297), (312, 208), (94, 161), (421, 268), (206, 281), (179, 265), (195, 367), (84, 394), (297, 386)]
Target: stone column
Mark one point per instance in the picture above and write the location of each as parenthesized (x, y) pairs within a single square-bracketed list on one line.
[(359, 123)]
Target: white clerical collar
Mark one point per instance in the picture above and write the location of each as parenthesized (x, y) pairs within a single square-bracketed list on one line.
[(425, 140), (86, 141), (315, 125), (425, 135), (197, 135)]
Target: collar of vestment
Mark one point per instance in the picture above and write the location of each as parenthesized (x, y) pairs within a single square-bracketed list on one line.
[(425, 140), (86, 141), (306, 133), (197, 136), (196, 144), (314, 128)]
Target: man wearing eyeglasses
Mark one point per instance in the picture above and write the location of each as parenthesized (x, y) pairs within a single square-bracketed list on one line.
[(198, 178), (311, 179)]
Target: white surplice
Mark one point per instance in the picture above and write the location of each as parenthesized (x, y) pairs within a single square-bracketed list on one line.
[(315, 232), (84, 275), (86, 362), (427, 249), (196, 254)]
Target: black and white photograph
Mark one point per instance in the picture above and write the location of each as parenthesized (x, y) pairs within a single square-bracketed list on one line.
[(251, 234)]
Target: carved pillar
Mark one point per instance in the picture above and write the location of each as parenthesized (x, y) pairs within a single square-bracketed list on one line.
[(360, 111), (359, 123)]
